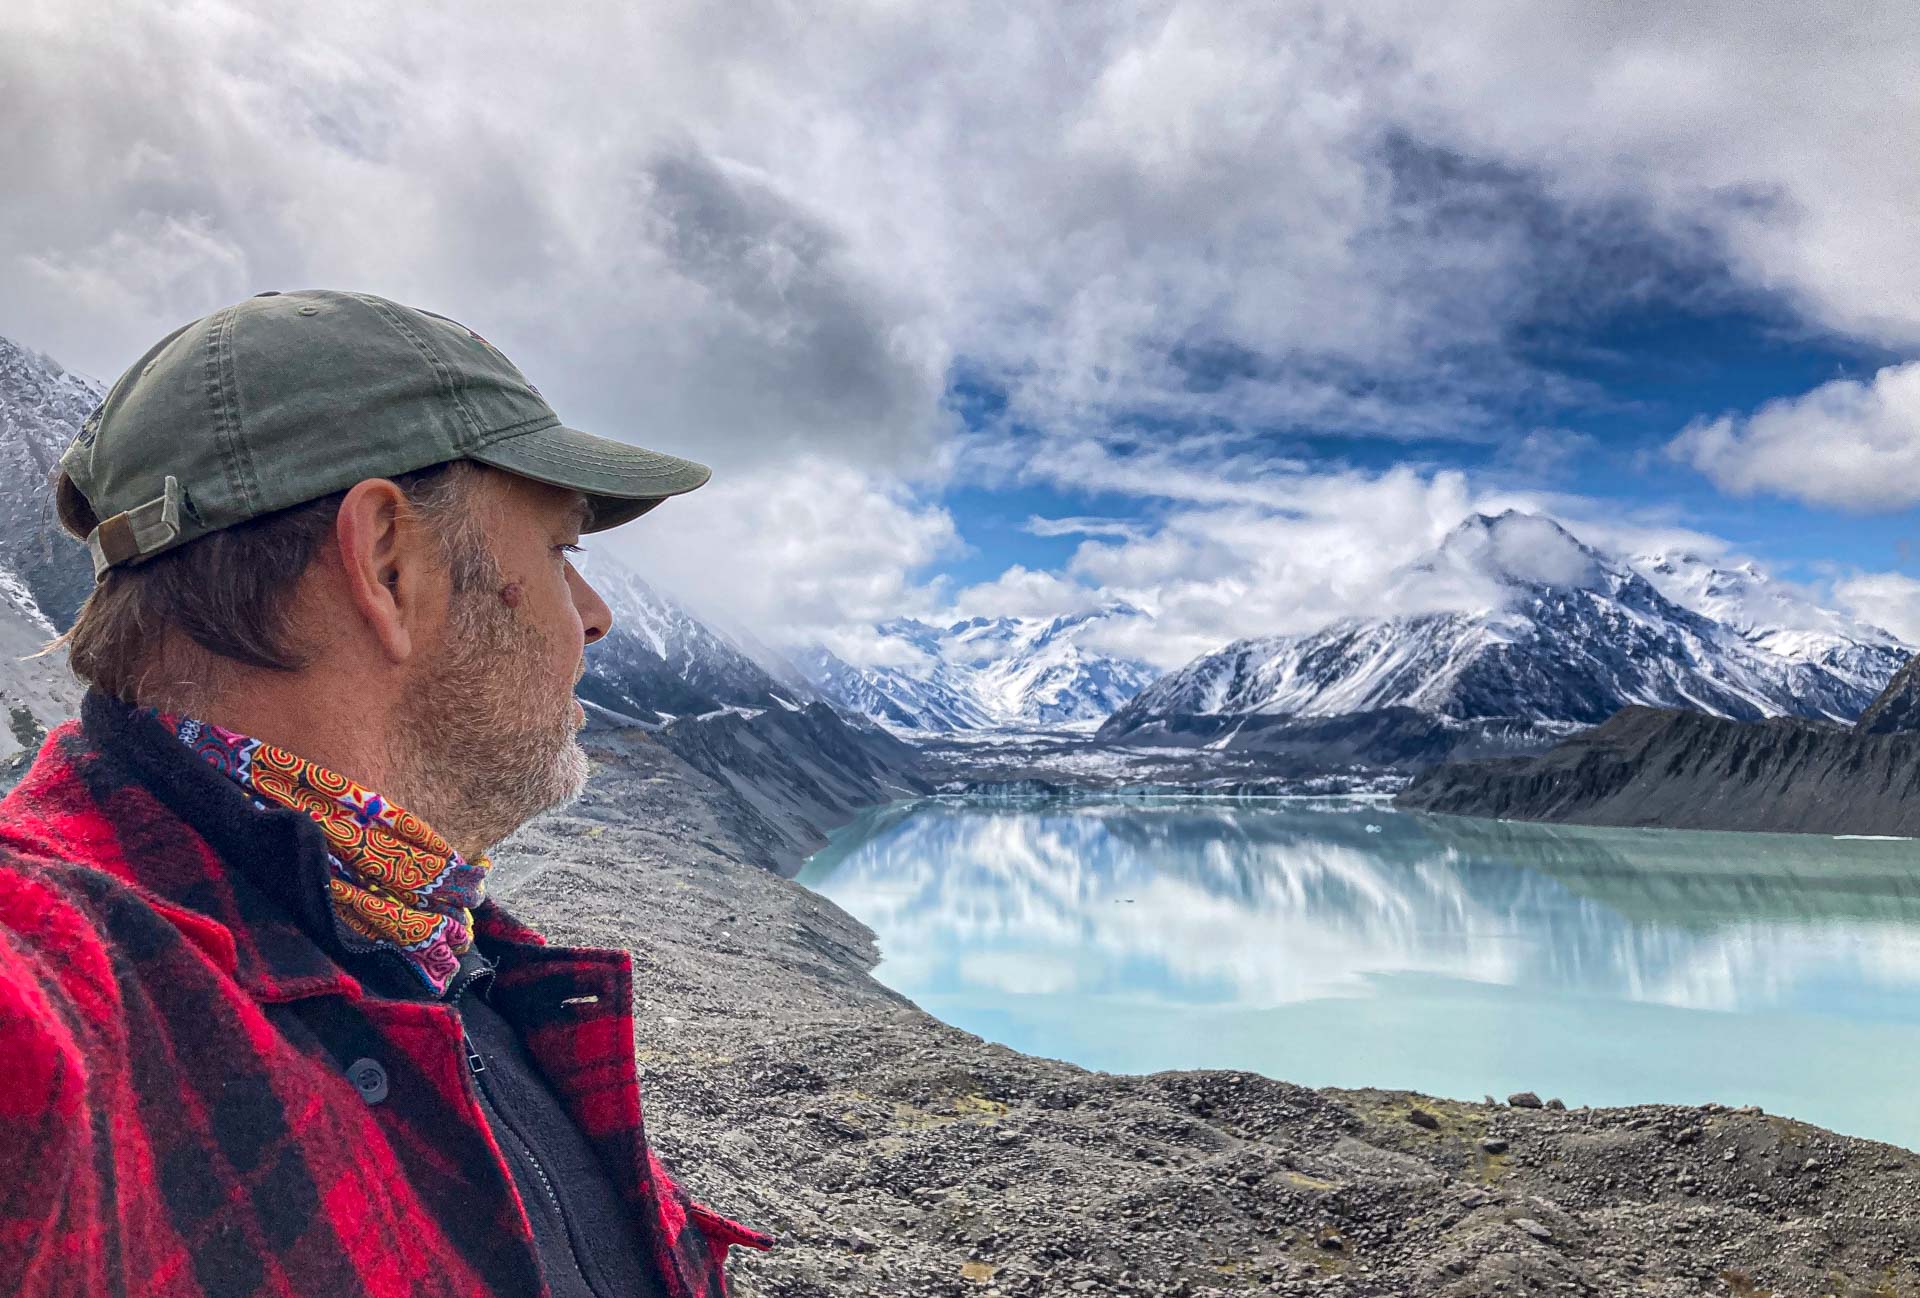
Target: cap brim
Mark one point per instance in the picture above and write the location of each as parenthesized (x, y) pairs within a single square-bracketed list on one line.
[(620, 482)]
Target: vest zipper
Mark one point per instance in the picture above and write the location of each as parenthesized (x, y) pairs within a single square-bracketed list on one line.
[(478, 1067)]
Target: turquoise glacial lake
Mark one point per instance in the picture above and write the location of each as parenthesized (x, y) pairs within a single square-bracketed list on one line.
[(1345, 944)]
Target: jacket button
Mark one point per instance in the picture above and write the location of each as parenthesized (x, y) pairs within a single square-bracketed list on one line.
[(369, 1078)]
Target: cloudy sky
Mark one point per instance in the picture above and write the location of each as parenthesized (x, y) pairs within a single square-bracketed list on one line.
[(1223, 308)]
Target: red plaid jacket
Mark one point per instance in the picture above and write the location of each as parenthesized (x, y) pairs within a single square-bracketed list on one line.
[(176, 1116)]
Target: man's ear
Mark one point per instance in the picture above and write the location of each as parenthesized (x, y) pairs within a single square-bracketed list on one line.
[(387, 563)]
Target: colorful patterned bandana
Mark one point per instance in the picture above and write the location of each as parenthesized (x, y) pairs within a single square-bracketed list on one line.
[(394, 882)]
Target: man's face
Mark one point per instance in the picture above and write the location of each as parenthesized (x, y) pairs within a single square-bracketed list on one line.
[(492, 718)]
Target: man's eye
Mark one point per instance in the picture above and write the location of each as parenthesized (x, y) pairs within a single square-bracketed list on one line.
[(572, 549)]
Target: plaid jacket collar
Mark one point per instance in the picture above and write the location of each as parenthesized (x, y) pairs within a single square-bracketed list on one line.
[(248, 885)]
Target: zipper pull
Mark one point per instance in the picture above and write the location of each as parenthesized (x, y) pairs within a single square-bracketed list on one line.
[(474, 1061)]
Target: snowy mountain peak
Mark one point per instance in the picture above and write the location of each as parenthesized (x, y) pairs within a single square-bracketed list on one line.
[(1747, 598), (1525, 620), (39, 384), (1776, 616), (986, 672), (658, 661), (1517, 551)]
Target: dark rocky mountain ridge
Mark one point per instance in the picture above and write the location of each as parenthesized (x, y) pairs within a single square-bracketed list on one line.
[(797, 772), (1678, 769)]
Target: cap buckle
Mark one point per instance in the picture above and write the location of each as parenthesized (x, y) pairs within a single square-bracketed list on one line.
[(137, 533)]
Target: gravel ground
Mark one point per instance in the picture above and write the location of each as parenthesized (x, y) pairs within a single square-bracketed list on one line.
[(894, 1155)]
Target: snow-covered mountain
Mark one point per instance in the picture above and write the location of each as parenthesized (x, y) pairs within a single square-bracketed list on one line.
[(988, 672), (658, 661), (1557, 633), (41, 408), (44, 575), (1776, 616)]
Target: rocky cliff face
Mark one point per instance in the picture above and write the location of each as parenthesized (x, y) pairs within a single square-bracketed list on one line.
[(1685, 770), (1897, 710), (41, 408)]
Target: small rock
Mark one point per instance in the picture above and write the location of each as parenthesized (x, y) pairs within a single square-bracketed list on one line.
[(1557, 1103), (1333, 1241), (1474, 1197), (1494, 1145), (1729, 1156), (1421, 1118), (1524, 1100), (1811, 1165), (1686, 1135), (1533, 1228)]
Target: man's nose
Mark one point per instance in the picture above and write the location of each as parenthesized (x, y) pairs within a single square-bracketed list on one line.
[(596, 619)]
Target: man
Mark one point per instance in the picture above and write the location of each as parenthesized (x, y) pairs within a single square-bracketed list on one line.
[(260, 1031)]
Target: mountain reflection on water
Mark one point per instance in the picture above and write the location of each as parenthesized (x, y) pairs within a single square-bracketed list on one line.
[(1345, 944)]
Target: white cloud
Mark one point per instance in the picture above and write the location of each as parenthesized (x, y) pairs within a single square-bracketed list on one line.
[(1763, 128), (796, 553), (1038, 526), (766, 236), (1541, 454), (1884, 599), (1847, 444), (1024, 592), (753, 227), (1311, 548)]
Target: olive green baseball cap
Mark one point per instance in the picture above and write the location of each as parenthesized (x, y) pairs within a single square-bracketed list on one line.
[(287, 397)]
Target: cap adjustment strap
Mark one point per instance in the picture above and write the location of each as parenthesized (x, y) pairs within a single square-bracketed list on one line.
[(136, 533)]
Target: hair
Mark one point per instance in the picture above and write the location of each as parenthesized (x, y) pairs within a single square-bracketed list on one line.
[(230, 593)]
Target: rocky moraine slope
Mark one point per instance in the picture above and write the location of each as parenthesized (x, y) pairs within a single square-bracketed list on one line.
[(897, 1156), (1675, 769)]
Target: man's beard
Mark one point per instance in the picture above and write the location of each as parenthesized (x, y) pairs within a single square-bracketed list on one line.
[(486, 739)]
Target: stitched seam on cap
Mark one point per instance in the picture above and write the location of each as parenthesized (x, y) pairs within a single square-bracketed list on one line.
[(448, 388), (539, 423), (617, 465), (593, 461), (223, 395)]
